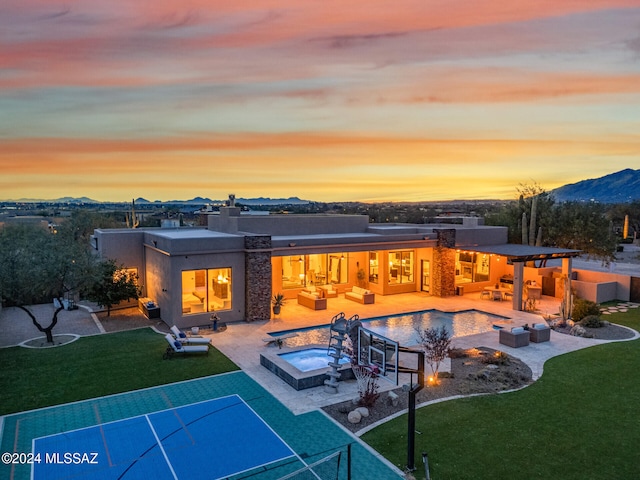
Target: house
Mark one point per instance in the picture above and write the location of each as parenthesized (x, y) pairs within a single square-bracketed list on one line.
[(235, 264)]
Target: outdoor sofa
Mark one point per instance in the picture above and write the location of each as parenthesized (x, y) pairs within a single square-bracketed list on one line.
[(361, 295), (312, 301)]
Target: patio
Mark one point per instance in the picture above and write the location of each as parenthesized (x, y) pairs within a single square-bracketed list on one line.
[(243, 342)]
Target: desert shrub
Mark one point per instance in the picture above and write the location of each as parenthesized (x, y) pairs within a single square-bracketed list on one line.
[(496, 358), (583, 308), (591, 321), (458, 353)]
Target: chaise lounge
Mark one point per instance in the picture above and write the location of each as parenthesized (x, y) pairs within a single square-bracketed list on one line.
[(175, 346), (516, 337), (193, 340), (361, 295)]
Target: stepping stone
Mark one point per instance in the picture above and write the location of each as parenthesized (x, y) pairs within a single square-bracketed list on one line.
[(606, 312), (624, 310)]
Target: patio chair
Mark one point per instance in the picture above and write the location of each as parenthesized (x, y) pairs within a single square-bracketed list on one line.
[(175, 346), (516, 337), (193, 340), (540, 332), (485, 293)]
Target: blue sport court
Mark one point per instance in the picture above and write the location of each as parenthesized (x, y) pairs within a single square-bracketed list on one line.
[(165, 445), (222, 426)]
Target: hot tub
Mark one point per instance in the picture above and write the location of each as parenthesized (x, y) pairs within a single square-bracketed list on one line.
[(304, 367)]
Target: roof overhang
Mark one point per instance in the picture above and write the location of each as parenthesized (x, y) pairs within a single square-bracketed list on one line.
[(522, 253)]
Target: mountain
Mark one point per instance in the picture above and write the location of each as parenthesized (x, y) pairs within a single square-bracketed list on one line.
[(619, 187)]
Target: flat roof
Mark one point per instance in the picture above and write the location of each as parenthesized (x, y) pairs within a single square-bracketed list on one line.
[(523, 253), (189, 233)]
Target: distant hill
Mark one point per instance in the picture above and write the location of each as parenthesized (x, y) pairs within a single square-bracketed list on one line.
[(243, 201), (619, 187)]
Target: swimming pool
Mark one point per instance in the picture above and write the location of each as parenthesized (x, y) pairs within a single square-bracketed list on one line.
[(402, 328)]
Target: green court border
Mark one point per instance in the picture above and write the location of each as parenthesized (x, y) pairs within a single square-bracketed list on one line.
[(312, 435)]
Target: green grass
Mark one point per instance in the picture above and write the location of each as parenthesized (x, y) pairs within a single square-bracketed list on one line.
[(96, 366), (580, 420)]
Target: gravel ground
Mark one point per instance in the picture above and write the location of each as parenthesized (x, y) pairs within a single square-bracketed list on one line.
[(471, 374), (473, 371)]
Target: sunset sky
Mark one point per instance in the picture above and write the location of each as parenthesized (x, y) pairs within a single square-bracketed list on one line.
[(325, 100)]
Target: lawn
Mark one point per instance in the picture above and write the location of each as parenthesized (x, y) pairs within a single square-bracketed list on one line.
[(580, 420), (96, 366)]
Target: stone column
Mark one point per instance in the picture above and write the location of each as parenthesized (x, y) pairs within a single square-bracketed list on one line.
[(444, 264), (257, 277)]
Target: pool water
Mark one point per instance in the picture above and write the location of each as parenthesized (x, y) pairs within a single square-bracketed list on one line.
[(402, 328), (310, 359)]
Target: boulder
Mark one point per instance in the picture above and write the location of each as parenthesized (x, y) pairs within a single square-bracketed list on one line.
[(392, 399), (364, 411), (354, 416), (578, 331)]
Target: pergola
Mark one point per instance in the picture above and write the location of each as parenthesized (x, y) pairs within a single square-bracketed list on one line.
[(518, 255)]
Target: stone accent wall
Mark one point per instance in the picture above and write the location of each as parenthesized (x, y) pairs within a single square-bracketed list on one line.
[(257, 277), (444, 264)]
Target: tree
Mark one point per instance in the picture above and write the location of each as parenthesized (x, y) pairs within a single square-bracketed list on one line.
[(536, 219), (38, 266), (584, 226), (113, 284), (436, 343)]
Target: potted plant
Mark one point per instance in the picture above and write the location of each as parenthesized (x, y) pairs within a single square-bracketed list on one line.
[(277, 301)]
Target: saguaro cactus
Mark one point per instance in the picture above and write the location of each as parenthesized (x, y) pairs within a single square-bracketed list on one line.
[(132, 220), (529, 236)]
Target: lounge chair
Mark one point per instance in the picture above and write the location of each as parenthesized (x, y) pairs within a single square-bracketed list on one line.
[(329, 291), (193, 340), (175, 346), (540, 332), (516, 337)]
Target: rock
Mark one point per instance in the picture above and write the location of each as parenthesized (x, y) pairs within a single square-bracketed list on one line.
[(570, 323), (363, 411), (578, 331), (354, 416), (392, 399)]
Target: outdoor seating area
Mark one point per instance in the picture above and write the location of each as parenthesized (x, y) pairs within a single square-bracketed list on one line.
[(517, 337), (496, 293)]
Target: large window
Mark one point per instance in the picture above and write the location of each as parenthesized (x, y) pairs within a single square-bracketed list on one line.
[(471, 267), (316, 269), (206, 290), (401, 267), (373, 267)]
